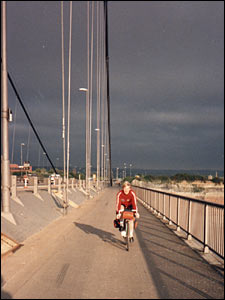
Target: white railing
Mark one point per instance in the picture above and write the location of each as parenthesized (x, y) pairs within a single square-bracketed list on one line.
[(199, 219)]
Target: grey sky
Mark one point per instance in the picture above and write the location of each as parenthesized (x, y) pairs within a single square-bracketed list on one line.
[(166, 81)]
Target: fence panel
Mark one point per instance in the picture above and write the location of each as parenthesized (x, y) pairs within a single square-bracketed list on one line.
[(200, 219)]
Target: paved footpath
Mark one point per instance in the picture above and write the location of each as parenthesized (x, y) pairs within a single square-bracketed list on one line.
[(82, 256)]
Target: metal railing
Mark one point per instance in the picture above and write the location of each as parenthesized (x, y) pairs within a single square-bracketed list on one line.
[(199, 219)]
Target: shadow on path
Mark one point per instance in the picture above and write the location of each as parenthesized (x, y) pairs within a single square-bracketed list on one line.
[(178, 271), (4, 295), (106, 236)]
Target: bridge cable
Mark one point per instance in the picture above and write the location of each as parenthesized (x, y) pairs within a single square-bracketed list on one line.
[(31, 124), (68, 125), (63, 100), (28, 145), (98, 92), (91, 81), (14, 132), (108, 100)]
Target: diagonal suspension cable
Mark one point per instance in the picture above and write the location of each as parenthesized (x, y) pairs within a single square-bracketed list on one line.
[(31, 124)]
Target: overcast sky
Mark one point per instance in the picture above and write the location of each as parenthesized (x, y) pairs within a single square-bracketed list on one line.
[(166, 72)]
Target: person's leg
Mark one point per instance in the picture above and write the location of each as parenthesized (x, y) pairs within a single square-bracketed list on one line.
[(123, 232), (131, 227)]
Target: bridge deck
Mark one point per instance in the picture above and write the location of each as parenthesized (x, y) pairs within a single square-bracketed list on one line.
[(83, 256)]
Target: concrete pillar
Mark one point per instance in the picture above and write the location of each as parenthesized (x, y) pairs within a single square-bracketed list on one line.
[(35, 185), (13, 186), (59, 184), (36, 194), (49, 185), (13, 190), (79, 181)]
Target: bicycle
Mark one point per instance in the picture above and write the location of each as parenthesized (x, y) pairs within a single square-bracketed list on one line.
[(127, 216)]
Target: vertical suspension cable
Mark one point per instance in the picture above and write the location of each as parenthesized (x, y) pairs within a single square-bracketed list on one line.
[(68, 125), (87, 100), (102, 99), (63, 100), (108, 101), (14, 132), (91, 85), (98, 96), (39, 156), (28, 145)]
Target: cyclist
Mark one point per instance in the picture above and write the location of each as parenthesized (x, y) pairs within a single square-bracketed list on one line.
[(126, 200)]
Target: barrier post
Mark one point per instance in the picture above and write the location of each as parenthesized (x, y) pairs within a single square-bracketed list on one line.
[(59, 184), (13, 186), (35, 185), (49, 185)]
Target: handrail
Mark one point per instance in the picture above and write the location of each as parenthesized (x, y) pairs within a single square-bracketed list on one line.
[(181, 196), (200, 219)]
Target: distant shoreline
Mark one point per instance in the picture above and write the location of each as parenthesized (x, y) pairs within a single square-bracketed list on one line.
[(169, 172)]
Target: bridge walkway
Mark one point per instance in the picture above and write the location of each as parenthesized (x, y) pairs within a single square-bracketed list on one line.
[(82, 256)]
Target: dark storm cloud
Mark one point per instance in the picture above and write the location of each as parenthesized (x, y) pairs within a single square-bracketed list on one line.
[(166, 80), (175, 65)]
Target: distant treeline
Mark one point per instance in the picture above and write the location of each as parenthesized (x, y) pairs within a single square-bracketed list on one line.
[(174, 178)]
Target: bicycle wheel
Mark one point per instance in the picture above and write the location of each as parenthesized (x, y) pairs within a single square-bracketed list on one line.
[(127, 232)]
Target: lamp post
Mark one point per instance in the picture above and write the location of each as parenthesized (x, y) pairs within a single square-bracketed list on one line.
[(57, 162), (125, 173), (98, 156), (43, 162), (87, 142), (21, 153), (21, 158), (5, 178), (130, 169), (117, 171)]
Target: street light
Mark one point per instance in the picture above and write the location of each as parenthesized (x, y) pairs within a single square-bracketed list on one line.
[(21, 153), (130, 169), (43, 159), (117, 172), (125, 172), (98, 155), (87, 142), (21, 157), (57, 163)]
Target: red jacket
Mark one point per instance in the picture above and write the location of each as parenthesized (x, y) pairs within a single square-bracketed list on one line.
[(129, 201)]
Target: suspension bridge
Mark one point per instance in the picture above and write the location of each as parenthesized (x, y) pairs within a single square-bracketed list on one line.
[(58, 239)]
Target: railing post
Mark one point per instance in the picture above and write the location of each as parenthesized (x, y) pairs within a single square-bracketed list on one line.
[(159, 214), (155, 202), (170, 222), (189, 221), (206, 224), (178, 214), (164, 207)]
